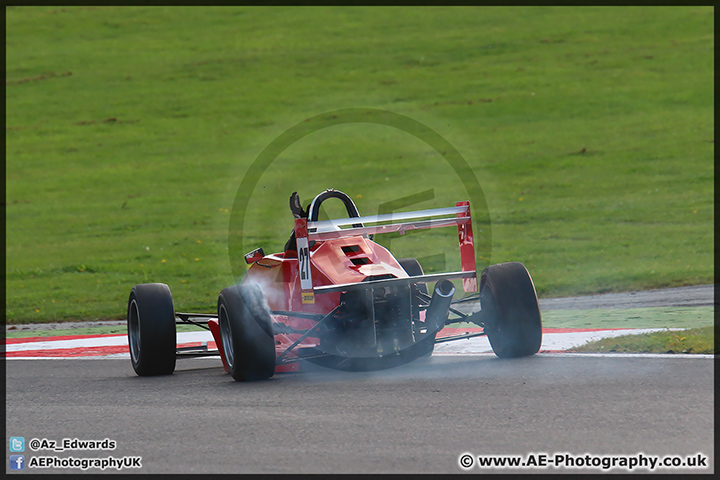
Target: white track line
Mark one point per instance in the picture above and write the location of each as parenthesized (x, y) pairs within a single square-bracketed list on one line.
[(628, 355), (682, 356), (182, 337), (552, 342)]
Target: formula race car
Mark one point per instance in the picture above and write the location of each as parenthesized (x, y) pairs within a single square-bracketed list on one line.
[(336, 298)]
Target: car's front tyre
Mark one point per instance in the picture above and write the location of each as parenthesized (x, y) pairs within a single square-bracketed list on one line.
[(246, 332), (151, 329)]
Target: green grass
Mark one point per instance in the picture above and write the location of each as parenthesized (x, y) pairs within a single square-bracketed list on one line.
[(694, 340), (129, 130)]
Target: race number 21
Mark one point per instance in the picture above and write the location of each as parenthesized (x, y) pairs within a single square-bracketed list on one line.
[(304, 263)]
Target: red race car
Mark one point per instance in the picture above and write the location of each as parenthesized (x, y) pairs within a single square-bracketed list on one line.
[(337, 299)]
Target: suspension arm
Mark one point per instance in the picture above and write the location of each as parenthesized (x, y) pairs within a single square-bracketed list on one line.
[(281, 357)]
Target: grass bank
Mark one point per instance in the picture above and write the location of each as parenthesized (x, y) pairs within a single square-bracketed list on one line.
[(129, 130), (694, 340)]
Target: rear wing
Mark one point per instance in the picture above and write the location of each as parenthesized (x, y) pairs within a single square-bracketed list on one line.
[(458, 215)]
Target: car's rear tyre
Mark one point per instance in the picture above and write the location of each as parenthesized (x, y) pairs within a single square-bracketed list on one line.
[(151, 329), (413, 268), (246, 333), (508, 296)]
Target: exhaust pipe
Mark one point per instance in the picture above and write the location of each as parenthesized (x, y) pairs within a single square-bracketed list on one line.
[(437, 312)]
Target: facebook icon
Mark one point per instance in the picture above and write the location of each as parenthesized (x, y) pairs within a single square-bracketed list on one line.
[(17, 462)]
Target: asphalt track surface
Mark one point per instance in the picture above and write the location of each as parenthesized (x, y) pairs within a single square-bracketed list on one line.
[(418, 418), (695, 296)]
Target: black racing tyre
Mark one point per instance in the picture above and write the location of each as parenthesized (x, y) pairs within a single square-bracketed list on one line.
[(508, 295), (413, 268), (151, 329), (246, 333)]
